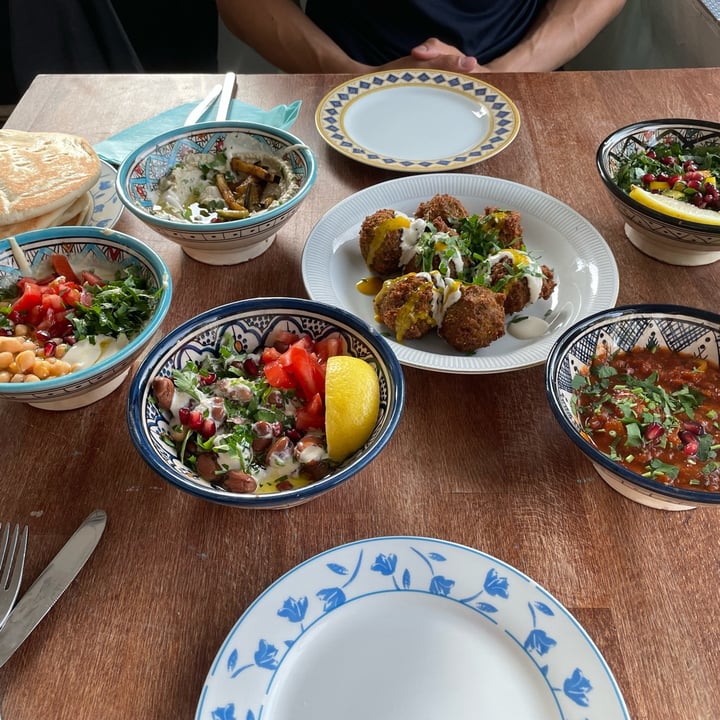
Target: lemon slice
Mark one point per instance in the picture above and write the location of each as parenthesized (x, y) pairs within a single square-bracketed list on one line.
[(673, 207), (352, 404)]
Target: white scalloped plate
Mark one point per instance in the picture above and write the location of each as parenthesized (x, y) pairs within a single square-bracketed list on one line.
[(408, 627), (417, 120), (584, 266)]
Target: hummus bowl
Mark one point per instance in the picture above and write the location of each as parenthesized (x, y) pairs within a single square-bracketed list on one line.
[(177, 184)]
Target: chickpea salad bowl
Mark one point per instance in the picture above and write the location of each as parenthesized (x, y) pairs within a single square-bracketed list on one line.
[(265, 403), (78, 305)]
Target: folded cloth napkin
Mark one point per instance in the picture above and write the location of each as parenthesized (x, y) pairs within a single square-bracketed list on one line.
[(116, 148)]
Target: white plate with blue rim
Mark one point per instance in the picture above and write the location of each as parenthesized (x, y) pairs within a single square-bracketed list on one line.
[(408, 627), (417, 120), (106, 205)]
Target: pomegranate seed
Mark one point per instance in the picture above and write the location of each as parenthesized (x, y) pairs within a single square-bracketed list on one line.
[(195, 420), (15, 317), (662, 177), (207, 429), (673, 180), (43, 336), (184, 415), (651, 154), (694, 176), (49, 348), (294, 435), (691, 447), (689, 166), (647, 178), (668, 160), (277, 429), (70, 339), (694, 427), (251, 368), (207, 378), (5, 332), (653, 431)]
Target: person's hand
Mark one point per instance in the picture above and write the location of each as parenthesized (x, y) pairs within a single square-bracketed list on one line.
[(435, 51), (449, 63)]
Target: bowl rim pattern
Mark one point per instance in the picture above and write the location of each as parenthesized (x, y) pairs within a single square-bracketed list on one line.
[(557, 376), (172, 342), (634, 208), (138, 155), (75, 382)]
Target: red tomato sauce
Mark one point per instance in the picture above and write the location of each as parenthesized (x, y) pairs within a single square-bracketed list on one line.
[(655, 412)]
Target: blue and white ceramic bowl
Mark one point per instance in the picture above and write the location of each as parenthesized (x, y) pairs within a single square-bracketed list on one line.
[(251, 322), (669, 239), (680, 329), (86, 248), (225, 243)]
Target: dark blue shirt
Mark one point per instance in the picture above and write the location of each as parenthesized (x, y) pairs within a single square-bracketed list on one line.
[(377, 31)]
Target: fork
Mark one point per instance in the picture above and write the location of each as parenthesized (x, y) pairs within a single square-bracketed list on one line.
[(12, 560)]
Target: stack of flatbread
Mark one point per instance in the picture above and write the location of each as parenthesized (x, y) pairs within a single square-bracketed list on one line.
[(45, 180)]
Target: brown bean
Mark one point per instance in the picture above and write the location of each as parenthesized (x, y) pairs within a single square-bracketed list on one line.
[(240, 482), (279, 451), (208, 466), (164, 391)]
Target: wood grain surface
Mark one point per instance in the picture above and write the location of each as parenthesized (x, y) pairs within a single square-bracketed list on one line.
[(135, 634)]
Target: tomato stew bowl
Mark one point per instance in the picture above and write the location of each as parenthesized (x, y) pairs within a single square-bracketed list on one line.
[(216, 243), (682, 330), (250, 323), (661, 236), (87, 248)]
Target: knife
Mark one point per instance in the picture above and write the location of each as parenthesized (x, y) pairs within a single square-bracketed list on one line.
[(50, 584)]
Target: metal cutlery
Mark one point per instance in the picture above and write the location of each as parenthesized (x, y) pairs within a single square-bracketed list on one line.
[(226, 96), (201, 108), (12, 562), (50, 584)]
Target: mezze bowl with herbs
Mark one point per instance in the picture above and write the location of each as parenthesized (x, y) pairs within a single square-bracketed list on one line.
[(265, 403), (77, 307), (663, 177), (637, 389), (220, 190)]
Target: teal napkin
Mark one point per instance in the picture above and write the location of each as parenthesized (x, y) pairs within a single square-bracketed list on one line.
[(116, 148)]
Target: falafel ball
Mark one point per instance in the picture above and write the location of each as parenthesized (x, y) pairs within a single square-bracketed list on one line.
[(380, 241), (517, 292), (441, 208), (405, 304), (475, 320), (508, 226)]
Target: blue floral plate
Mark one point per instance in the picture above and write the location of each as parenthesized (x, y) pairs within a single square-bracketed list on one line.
[(106, 205), (408, 627)]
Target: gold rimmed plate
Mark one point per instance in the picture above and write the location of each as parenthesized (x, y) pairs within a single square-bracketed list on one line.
[(417, 120)]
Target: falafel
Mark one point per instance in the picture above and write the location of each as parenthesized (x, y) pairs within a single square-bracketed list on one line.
[(406, 305), (475, 320)]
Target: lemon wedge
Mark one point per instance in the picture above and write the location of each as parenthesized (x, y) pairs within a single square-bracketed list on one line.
[(352, 404), (673, 207)]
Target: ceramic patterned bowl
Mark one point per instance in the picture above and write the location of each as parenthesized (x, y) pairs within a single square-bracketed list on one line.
[(87, 248), (249, 323), (680, 329), (216, 243), (671, 240)]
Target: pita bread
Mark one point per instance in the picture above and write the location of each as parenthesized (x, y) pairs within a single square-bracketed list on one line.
[(41, 172), (75, 213)]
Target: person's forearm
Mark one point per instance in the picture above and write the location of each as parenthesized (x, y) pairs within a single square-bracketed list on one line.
[(562, 30), (280, 32)]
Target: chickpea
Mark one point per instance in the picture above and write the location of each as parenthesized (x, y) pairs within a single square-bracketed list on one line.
[(22, 330), (42, 369), (5, 359), (5, 376), (11, 344), (30, 377), (25, 360)]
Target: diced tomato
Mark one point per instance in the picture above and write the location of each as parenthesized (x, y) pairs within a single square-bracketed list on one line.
[(284, 337), (333, 344), (32, 295), (61, 265), (52, 301), (277, 376), (306, 375), (311, 415), (269, 354)]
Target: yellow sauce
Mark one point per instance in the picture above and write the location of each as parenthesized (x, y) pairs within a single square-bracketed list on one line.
[(369, 285), (386, 226)]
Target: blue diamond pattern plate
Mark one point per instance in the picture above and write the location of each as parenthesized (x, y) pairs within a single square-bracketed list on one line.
[(417, 122)]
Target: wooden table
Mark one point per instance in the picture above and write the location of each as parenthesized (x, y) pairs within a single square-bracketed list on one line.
[(135, 634)]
